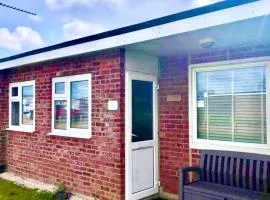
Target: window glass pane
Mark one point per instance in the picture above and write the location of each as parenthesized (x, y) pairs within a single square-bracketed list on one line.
[(27, 105), (220, 82), (250, 105), (60, 88), (79, 104), (142, 110), (201, 85), (249, 80), (220, 118), (60, 114), (15, 116), (231, 105), (14, 91), (250, 118), (201, 104)]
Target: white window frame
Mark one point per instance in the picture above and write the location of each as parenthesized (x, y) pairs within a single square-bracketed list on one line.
[(21, 127), (197, 143), (71, 132)]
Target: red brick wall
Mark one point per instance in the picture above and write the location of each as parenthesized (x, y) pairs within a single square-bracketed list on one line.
[(4, 116), (93, 167), (173, 119), (174, 124)]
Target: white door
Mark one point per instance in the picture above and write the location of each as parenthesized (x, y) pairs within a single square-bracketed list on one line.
[(141, 136)]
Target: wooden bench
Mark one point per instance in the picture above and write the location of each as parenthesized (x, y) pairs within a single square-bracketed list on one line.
[(227, 176)]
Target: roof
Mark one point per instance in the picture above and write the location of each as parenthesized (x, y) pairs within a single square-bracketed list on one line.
[(144, 25)]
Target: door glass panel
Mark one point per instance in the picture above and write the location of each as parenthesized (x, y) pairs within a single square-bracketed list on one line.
[(142, 111)]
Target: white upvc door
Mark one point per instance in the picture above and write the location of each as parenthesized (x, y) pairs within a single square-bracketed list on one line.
[(141, 133)]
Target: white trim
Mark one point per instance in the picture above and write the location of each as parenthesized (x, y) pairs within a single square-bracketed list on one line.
[(72, 132), (264, 59), (22, 127), (224, 145), (14, 128), (268, 103), (129, 76), (248, 11)]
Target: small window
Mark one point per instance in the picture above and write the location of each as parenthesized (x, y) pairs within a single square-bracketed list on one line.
[(72, 106), (60, 88), (15, 91), (15, 113), (22, 106)]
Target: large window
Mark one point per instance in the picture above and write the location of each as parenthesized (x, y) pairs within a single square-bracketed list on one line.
[(229, 106), (22, 106), (71, 113)]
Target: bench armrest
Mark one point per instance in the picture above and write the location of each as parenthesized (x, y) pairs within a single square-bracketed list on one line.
[(182, 178)]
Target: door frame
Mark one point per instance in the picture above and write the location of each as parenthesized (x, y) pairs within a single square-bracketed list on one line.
[(130, 75)]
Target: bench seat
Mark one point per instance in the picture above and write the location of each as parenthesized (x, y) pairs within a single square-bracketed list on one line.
[(207, 190), (225, 175)]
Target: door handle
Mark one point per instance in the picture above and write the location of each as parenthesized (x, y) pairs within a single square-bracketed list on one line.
[(133, 135)]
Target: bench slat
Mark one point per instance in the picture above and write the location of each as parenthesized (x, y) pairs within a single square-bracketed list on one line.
[(244, 174), (219, 169), (213, 171), (251, 174), (231, 172), (238, 172), (265, 176), (258, 169), (202, 164), (225, 173), (208, 168)]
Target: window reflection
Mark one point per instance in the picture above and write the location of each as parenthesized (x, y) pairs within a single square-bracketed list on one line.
[(27, 105), (79, 104), (15, 110), (60, 115)]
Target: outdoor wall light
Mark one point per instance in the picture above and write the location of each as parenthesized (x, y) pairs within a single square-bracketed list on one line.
[(207, 43)]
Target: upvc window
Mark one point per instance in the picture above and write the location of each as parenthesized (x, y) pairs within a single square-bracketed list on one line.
[(71, 106), (22, 106), (229, 107)]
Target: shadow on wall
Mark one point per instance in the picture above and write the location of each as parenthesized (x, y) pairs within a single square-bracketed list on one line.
[(3, 151)]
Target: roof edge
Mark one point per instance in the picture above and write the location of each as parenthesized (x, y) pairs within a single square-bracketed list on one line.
[(143, 25)]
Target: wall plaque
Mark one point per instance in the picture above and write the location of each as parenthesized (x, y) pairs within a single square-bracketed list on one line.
[(174, 98)]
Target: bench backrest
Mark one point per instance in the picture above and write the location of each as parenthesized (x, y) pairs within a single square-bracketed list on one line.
[(242, 170)]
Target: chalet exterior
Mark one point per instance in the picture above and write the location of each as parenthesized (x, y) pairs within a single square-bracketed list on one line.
[(115, 115)]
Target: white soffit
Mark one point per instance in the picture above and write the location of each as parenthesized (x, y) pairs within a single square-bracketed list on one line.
[(216, 18)]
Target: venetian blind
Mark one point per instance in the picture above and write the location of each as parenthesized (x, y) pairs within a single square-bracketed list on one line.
[(231, 105)]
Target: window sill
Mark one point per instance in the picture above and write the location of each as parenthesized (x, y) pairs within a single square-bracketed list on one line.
[(24, 130), (70, 135), (226, 146)]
